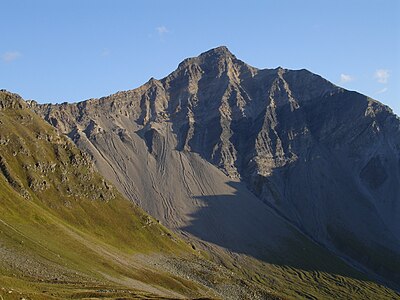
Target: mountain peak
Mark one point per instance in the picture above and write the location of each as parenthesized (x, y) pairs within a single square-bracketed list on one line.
[(218, 51), (212, 58), (216, 54)]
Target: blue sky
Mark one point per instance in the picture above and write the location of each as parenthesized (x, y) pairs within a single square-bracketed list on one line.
[(56, 51)]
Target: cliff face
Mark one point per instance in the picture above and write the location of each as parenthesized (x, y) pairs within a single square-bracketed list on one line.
[(325, 159)]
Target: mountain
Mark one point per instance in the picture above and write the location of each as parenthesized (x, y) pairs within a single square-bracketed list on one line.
[(66, 232), (275, 168)]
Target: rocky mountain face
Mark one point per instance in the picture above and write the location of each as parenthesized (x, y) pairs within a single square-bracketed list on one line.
[(293, 151)]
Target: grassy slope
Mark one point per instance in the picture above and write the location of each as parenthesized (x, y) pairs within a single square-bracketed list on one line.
[(319, 276)]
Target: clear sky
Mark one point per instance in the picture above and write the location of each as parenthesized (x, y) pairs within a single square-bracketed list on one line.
[(56, 51)]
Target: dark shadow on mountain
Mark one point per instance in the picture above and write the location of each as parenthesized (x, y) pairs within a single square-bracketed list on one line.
[(229, 222)]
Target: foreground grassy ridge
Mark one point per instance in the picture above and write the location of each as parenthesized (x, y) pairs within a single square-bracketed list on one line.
[(48, 249)]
